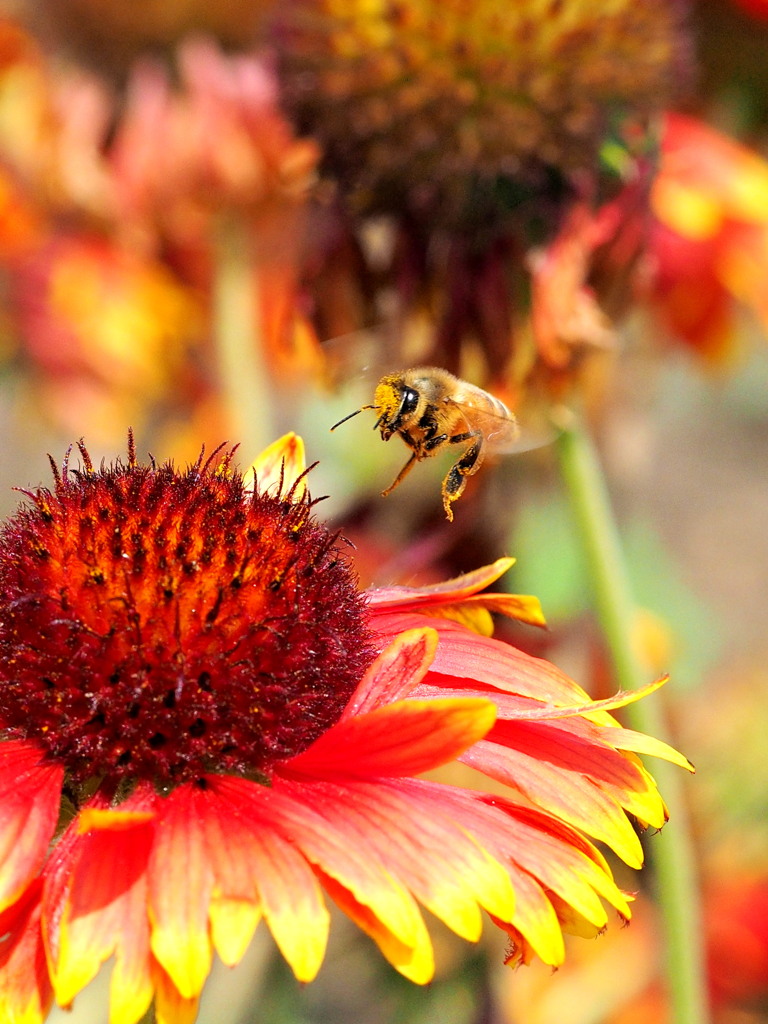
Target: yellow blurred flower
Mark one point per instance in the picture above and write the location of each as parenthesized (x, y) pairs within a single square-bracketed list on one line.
[(107, 332)]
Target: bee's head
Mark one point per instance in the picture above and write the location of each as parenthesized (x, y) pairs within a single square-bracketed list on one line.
[(395, 403)]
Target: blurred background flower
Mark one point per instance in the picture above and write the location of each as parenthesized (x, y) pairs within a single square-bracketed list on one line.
[(710, 236), (473, 130)]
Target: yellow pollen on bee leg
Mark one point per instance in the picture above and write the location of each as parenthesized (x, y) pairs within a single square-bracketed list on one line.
[(447, 504)]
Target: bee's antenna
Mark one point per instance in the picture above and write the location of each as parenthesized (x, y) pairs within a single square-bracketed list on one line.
[(355, 413)]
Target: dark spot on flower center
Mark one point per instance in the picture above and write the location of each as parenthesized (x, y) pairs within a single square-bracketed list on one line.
[(158, 624)]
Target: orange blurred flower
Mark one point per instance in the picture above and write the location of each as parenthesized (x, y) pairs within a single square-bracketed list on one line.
[(736, 922), (116, 217), (581, 282), (211, 724), (20, 222), (53, 124), (710, 238)]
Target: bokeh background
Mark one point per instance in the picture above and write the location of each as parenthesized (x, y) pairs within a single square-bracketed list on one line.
[(223, 222)]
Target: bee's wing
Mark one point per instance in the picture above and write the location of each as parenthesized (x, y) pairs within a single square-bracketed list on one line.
[(504, 432), (524, 432), (527, 440)]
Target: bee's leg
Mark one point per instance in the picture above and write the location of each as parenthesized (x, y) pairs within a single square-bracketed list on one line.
[(441, 439), (469, 463), (435, 442), (402, 474)]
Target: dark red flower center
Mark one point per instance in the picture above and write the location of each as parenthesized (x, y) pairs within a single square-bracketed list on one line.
[(161, 624)]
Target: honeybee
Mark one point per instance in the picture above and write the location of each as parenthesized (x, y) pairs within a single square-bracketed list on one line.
[(430, 408)]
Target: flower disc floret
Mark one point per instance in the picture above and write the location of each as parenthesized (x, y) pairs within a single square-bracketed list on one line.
[(159, 624)]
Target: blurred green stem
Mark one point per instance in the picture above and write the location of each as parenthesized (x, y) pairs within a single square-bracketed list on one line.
[(671, 852), (238, 337)]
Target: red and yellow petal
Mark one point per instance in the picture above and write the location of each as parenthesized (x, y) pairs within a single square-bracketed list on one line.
[(563, 862), (26, 993), (569, 766), (235, 909), (279, 467), (458, 599), (445, 867), (448, 592), (106, 915), (293, 905), (439, 862), (542, 856), (407, 946), (233, 924), (478, 662), (340, 851), (573, 797), (573, 923), (258, 871), (641, 743), (573, 761), (181, 882), (29, 805), (96, 908), (119, 819), (396, 671), (523, 607), (536, 928), (405, 738), (170, 1006), (589, 755)]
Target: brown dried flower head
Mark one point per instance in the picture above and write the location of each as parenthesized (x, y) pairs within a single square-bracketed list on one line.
[(413, 99)]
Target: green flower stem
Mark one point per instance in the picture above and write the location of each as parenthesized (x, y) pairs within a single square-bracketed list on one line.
[(671, 853), (238, 340)]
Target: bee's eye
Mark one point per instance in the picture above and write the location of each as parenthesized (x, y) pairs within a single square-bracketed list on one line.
[(408, 402)]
